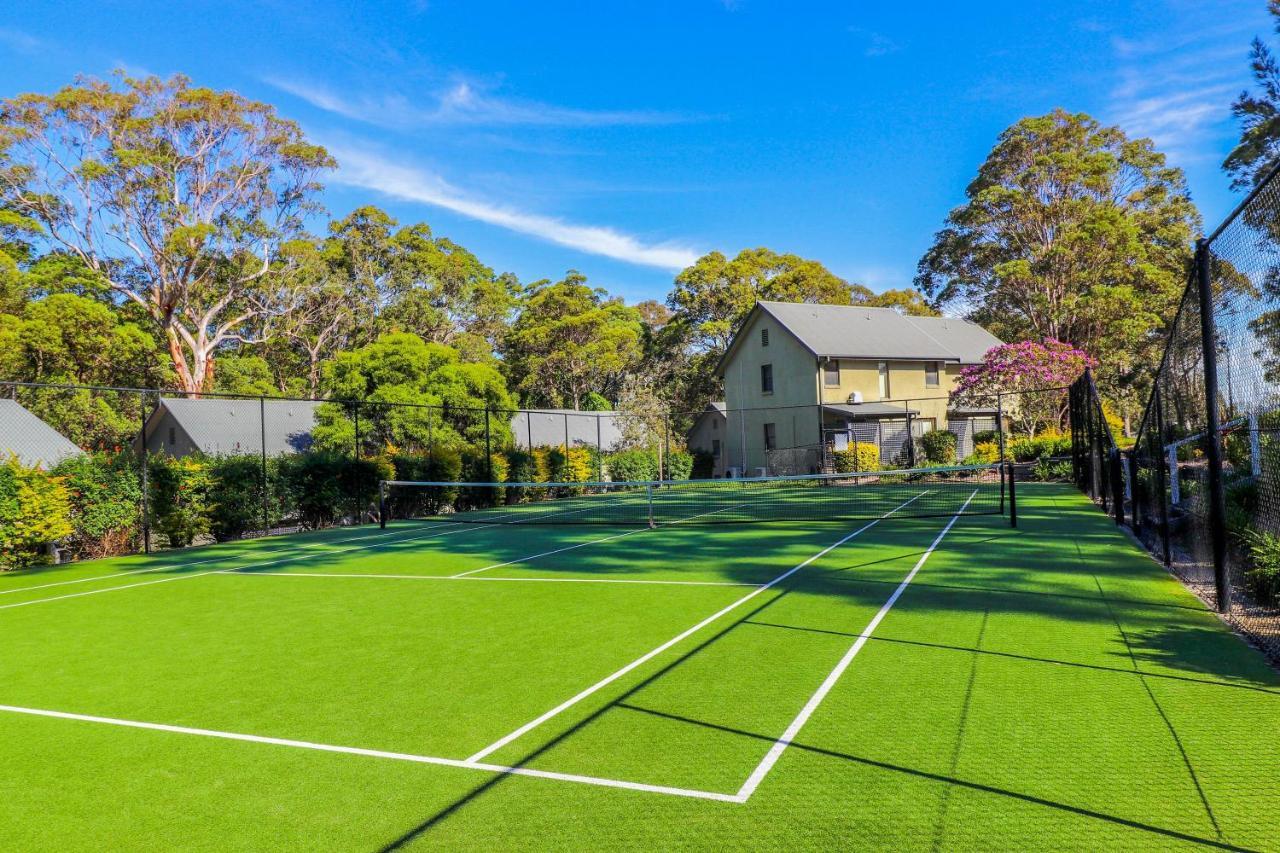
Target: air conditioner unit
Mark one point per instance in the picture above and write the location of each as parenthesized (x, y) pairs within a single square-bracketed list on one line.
[(855, 398)]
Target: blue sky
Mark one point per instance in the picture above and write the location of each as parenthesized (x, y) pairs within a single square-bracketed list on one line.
[(625, 139)]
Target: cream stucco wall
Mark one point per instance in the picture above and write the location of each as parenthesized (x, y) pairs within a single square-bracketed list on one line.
[(906, 383)]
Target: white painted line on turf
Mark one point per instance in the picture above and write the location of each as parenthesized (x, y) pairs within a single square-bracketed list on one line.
[(591, 542), (290, 559), (647, 656), (182, 565), (458, 578), (780, 745), (378, 753)]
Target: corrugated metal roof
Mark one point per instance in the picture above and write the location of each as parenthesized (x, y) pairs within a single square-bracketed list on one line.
[(235, 426), (32, 440), (869, 410), (851, 331), (547, 427)]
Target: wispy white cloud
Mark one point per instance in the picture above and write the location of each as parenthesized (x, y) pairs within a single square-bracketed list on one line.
[(874, 43), (360, 168), (463, 103), (19, 42)]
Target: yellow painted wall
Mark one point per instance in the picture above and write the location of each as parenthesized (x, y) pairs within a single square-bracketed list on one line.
[(906, 382)]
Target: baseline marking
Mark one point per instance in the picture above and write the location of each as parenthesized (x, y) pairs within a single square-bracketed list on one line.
[(647, 656), (247, 573), (780, 745), (378, 753), (590, 542), (223, 571), (202, 562)]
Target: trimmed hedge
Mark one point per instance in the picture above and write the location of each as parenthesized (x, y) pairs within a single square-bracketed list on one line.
[(106, 499), (939, 447), (862, 457)]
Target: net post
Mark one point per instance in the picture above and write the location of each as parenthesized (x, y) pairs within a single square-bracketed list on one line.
[(382, 504), (1013, 495), (1217, 496)]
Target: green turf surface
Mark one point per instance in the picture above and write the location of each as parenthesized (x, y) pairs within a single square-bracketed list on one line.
[(1044, 688)]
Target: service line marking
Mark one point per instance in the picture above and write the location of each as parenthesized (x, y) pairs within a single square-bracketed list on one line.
[(251, 573), (647, 656), (780, 745)]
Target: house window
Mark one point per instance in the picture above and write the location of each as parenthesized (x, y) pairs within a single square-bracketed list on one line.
[(173, 436), (884, 380), (715, 425), (715, 447), (764, 337), (831, 374), (770, 437), (931, 370), (766, 379)]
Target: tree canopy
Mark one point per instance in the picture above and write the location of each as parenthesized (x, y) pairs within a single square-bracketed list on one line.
[(1259, 115)]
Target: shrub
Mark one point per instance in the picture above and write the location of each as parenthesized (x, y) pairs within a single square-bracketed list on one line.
[(860, 457), (35, 509), (179, 497), (939, 447), (1262, 579), (478, 466), (106, 498), (986, 436), (679, 465), (703, 465), (442, 465), (1045, 444), (632, 465), (983, 454), (324, 487), (1046, 469), (235, 496)]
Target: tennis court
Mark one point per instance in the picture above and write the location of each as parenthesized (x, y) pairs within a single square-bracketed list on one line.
[(939, 682)]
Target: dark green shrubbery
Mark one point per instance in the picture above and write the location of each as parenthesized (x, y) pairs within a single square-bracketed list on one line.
[(1031, 449), (986, 436), (179, 498), (938, 447), (325, 487), (632, 465), (106, 499), (679, 465), (704, 465), (235, 496)]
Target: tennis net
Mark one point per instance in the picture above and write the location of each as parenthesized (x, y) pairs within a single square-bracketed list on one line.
[(917, 493)]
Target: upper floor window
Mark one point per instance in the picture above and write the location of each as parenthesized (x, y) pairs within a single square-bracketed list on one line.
[(884, 380), (764, 337), (831, 374), (931, 371), (766, 379)]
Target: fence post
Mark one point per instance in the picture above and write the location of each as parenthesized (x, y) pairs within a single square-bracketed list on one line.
[(1117, 485), (1013, 495), (1000, 422), (1135, 518), (355, 405), (262, 423), (1217, 498), (599, 452), (1160, 475), (142, 453), (488, 447)]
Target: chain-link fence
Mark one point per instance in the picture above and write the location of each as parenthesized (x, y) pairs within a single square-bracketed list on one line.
[(1203, 476)]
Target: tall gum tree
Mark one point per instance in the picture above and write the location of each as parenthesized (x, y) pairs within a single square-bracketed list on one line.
[(178, 195)]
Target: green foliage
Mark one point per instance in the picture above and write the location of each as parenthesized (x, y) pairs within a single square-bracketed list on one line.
[(105, 494), (679, 465), (179, 497), (441, 466), (1046, 469), (983, 454), (1262, 579), (595, 402), (236, 495), (570, 339), (939, 447), (325, 487), (244, 374), (1046, 444), (907, 301), (404, 369), (857, 458), (35, 509), (986, 436), (632, 465)]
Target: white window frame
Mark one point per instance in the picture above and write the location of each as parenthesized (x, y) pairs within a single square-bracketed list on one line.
[(882, 368)]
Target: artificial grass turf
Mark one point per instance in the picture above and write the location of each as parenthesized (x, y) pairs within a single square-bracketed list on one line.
[(1043, 688)]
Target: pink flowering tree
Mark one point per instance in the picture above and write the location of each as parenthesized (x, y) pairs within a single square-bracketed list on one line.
[(1024, 372)]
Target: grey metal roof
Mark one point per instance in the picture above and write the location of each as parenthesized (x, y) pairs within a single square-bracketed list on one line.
[(547, 428), (33, 441), (235, 426), (869, 410), (851, 331), (718, 405)]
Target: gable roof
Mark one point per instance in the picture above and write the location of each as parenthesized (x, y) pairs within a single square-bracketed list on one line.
[(854, 331), (235, 426), (33, 441), (548, 427)]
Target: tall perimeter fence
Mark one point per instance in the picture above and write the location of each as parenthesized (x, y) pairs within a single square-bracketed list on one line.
[(1201, 485)]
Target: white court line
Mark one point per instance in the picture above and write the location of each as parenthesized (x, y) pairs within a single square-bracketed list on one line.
[(607, 680), (202, 562), (223, 571), (378, 753), (788, 736), (591, 542), (248, 573)]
